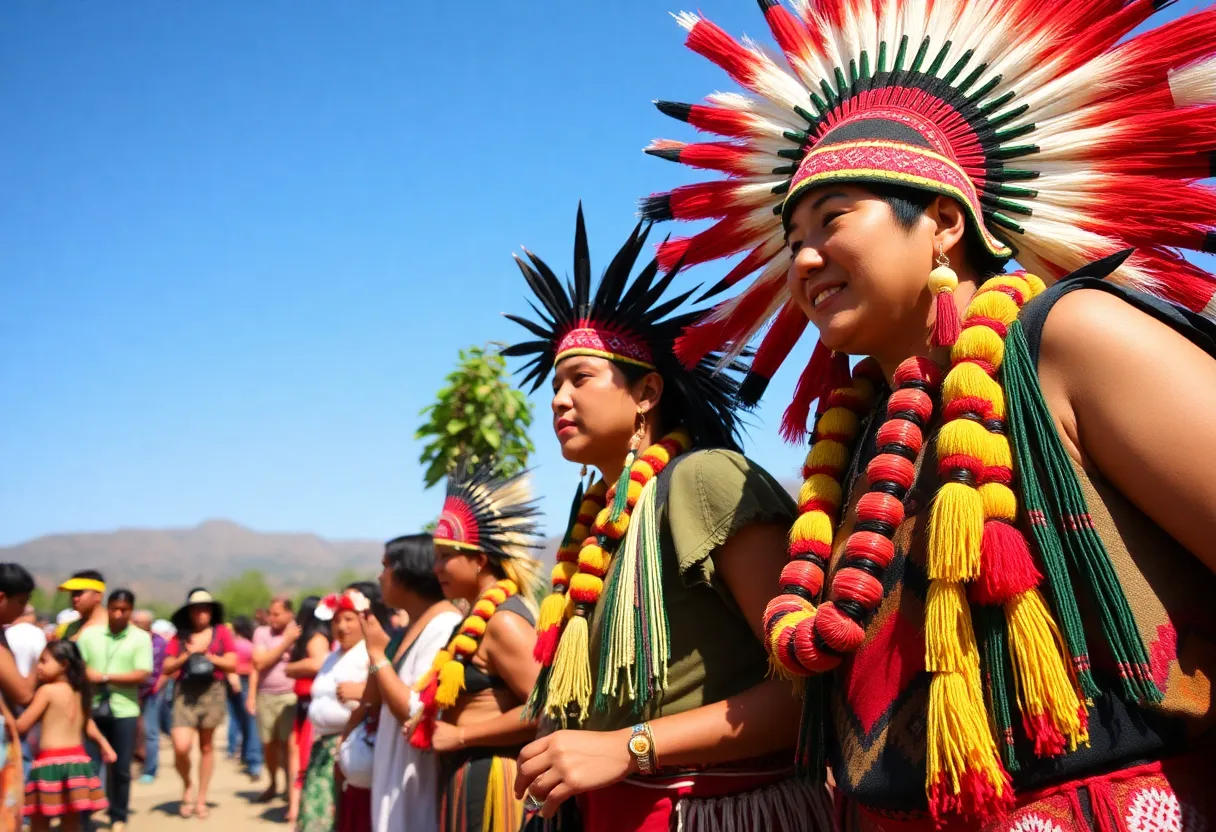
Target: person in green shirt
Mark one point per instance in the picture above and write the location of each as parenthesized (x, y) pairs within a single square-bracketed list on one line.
[(119, 659)]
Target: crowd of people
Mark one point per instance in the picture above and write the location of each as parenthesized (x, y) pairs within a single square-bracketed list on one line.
[(989, 607)]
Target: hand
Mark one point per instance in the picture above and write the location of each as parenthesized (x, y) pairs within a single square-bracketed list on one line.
[(108, 755), (251, 706), (95, 676), (447, 737), (350, 692), (567, 763), (291, 633), (374, 636)]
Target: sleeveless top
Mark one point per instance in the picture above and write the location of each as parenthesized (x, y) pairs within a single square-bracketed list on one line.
[(879, 694), (476, 679), (711, 495)]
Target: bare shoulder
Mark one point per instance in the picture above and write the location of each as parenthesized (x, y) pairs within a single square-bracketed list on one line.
[(507, 628)]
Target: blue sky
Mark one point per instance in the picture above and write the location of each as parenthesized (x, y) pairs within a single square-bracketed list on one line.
[(241, 242)]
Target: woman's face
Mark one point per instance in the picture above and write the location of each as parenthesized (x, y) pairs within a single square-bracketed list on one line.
[(200, 616), (458, 571), (389, 587), (48, 669), (595, 407), (346, 629), (858, 274)]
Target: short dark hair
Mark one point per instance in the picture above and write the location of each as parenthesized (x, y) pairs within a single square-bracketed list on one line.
[(371, 591), (15, 579), (122, 595), (90, 575), (285, 600), (412, 559), (242, 625), (909, 204)]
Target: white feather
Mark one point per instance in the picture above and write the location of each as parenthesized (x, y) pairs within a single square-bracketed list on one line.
[(1194, 85)]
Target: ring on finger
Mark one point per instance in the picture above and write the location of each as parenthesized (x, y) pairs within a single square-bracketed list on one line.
[(532, 804)]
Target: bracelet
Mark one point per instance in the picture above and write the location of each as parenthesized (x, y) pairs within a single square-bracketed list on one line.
[(378, 666)]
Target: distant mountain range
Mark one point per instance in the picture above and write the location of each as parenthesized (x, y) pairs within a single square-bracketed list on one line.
[(163, 564)]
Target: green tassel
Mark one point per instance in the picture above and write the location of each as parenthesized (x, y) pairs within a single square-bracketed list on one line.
[(990, 628), (811, 753), (620, 500), (534, 708), (1059, 498)]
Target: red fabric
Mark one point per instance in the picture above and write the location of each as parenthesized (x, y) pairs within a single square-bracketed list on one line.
[(354, 810), (222, 642), (301, 729), (648, 806)]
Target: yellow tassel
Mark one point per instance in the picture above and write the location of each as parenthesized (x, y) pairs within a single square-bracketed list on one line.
[(483, 608), (659, 453), (570, 679), (969, 380), (644, 468), (959, 742), (828, 453), (473, 626), (996, 305), (553, 610), (999, 502), (563, 572), (945, 606), (839, 420), (820, 487), (441, 658), (1036, 284), (963, 436), (1044, 685), (956, 527), (502, 812), (451, 683), (594, 558), (979, 342), (463, 645), (813, 525), (1022, 287), (495, 595), (1000, 455)]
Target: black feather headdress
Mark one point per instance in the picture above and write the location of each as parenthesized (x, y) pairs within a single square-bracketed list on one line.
[(627, 323)]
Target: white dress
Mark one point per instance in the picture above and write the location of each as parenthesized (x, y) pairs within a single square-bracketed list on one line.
[(405, 781)]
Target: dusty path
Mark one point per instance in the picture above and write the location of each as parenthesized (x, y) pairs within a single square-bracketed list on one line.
[(155, 807)]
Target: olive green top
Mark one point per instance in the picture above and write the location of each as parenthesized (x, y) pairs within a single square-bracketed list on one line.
[(714, 653)]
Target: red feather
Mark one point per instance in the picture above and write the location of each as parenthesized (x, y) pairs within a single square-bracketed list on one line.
[(705, 337), (811, 384), (710, 41), (781, 337), (705, 200), (795, 39), (722, 121), (722, 239)]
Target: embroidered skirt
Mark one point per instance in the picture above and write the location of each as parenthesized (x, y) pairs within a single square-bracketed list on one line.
[(62, 781), (478, 792), (1170, 796)]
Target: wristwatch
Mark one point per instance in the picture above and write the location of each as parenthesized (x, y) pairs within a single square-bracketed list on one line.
[(641, 746)]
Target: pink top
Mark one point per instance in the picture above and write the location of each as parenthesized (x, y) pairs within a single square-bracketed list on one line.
[(244, 656), (222, 643), (273, 681)]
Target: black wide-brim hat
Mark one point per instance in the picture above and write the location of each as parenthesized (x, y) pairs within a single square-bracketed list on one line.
[(197, 597)]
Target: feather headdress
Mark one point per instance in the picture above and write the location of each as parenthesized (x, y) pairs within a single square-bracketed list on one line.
[(1063, 141), (483, 513)]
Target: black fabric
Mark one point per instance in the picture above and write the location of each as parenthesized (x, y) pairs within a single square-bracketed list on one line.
[(871, 129), (120, 733), (476, 679), (1200, 330)]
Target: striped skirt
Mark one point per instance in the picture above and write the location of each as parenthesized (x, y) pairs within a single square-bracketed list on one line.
[(63, 780), (479, 792)]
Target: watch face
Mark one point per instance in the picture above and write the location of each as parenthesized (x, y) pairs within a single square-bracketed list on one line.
[(639, 744)]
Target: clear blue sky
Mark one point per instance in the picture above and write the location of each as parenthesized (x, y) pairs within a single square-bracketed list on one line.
[(241, 242)]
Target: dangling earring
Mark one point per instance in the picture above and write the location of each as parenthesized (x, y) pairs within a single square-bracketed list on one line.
[(942, 283), (620, 498), (635, 441)]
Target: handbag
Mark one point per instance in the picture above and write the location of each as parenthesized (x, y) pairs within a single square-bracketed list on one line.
[(102, 711), (356, 755), (198, 667)]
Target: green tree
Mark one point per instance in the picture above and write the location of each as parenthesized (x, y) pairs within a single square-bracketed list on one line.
[(245, 593), (478, 416)]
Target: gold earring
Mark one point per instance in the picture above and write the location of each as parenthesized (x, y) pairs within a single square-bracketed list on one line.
[(635, 441), (942, 278)]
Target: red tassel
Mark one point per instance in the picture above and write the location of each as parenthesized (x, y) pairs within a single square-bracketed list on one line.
[(946, 323), (424, 733), (427, 696), (839, 374), (811, 385), (546, 646), (1007, 568)]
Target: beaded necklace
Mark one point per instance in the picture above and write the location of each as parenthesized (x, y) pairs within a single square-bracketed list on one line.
[(563, 690), (442, 684)]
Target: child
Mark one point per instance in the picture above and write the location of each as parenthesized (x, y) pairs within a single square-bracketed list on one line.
[(62, 782)]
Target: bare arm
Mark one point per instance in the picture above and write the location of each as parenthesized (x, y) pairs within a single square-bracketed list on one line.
[(264, 658), (93, 733), (17, 689), (1136, 400), (134, 677), (33, 712), (509, 642), (172, 664), (310, 665)]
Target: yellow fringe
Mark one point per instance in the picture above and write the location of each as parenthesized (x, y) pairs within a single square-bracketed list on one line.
[(979, 342), (812, 525), (493, 815), (451, 683), (969, 380), (1044, 684), (956, 526), (828, 453), (959, 738), (1000, 503), (570, 680), (996, 305), (963, 436), (821, 487), (945, 608), (553, 610)]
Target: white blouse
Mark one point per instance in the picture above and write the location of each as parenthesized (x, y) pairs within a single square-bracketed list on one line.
[(327, 715)]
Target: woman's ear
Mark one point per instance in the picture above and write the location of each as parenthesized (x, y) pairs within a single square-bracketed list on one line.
[(950, 223), (648, 391)]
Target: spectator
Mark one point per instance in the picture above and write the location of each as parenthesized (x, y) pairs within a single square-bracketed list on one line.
[(165, 629), (16, 584), (201, 654), (243, 741), (119, 660), (336, 691), (26, 640), (405, 781), (261, 617), (399, 622), (275, 702), (307, 655), (151, 699), (86, 589)]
